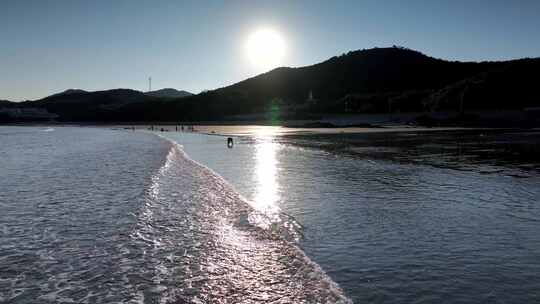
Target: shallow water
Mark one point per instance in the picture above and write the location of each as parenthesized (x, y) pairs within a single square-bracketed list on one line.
[(109, 216), (406, 225), (100, 216)]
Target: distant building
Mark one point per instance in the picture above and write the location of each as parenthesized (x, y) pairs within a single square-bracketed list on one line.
[(532, 109), (358, 103), (532, 113), (28, 113), (311, 101)]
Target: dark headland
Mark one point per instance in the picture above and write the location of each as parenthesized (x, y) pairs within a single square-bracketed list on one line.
[(357, 88)]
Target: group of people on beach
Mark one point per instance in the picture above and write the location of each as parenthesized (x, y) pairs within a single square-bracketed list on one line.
[(188, 128), (183, 128)]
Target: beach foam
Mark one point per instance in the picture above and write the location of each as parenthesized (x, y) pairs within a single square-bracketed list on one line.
[(227, 256)]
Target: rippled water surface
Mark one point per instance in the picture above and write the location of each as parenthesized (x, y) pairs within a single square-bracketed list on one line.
[(106, 216), (404, 223), (114, 216)]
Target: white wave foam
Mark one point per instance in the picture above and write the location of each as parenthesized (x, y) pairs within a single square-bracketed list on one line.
[(242, 242)]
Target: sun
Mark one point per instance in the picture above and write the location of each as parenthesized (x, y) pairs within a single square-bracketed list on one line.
[(265, 49)]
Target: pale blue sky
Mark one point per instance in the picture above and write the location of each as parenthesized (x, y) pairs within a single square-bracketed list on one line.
[(50, 46)]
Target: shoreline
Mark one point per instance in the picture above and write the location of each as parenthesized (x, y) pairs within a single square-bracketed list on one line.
[(447, 147), (257, 129)]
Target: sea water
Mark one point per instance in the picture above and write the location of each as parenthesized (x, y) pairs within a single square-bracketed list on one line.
[(93, 215), (399, 223), (110, 216)]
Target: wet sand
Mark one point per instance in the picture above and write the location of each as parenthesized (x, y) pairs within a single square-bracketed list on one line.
[(260, 130), (459, 148), (254, 130)]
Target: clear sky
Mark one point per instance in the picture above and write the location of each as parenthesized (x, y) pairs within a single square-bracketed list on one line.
[(49, 46)]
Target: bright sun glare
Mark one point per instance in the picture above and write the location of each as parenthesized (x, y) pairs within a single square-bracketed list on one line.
[(265, 49)]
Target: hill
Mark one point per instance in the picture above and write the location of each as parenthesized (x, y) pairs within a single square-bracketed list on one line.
[(509, 86), (79, 105), (6, 103), (361, 81), (69, 92), (169, 93), (379, 80)]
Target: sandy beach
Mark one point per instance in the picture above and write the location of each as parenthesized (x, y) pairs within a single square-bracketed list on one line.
[(264, 130)]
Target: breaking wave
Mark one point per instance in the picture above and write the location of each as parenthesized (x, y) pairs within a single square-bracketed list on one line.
[(203, 243)]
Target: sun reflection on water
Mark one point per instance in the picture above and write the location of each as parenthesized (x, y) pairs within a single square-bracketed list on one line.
[(266, 170), (267, 194), (266, 198)]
